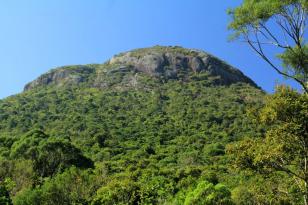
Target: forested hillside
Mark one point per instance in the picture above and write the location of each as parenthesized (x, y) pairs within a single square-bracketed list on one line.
[(149, 126)]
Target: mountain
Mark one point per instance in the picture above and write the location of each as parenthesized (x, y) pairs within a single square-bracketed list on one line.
[(149, 126)]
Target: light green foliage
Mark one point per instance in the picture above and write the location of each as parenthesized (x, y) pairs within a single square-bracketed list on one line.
[(19, 173), (29, 197), (283, 148), (242, 196), (296, 58), (207, 193), (73, 186), (120, 192), (256, 11)]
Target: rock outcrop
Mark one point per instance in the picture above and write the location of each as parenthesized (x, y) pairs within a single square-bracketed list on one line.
[(169, 61), (61, 76), (158, 61)]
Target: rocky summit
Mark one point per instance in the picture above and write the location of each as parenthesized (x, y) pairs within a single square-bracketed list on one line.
[(159, 62)]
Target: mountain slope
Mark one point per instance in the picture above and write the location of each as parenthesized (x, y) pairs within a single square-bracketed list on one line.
[(154, 121)]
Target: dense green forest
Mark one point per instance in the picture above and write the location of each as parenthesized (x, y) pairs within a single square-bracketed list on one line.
[(166, 125), (162, 141)]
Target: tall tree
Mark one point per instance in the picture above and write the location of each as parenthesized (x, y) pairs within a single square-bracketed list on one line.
[(278, 23), (49, 155), (282, 24), (284, 148)]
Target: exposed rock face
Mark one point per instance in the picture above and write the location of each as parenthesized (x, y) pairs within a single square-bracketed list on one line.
[(159, 63), (170, 61), (167, 62), (61, 76)]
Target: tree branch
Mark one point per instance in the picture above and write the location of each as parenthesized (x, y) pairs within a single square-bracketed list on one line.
[(263, 56)]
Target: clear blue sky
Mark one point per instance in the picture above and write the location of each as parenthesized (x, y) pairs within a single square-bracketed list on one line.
[(37, 35)]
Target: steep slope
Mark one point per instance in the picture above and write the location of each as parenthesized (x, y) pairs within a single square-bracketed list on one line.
[(154, 121)]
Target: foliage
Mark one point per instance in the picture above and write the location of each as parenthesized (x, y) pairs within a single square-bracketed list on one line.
[(73, 186), (207, 193), (122, 145), (4, 194), (278, 23), (49, 155), (117, 192), (282, 150), (284, 146)]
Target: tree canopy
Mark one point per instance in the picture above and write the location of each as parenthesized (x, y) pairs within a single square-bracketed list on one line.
[(147, 146), (284, 145)]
